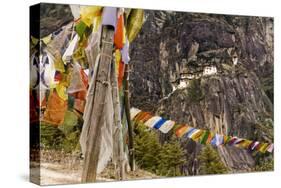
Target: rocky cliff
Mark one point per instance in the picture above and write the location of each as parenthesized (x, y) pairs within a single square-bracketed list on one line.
[(210, 71)]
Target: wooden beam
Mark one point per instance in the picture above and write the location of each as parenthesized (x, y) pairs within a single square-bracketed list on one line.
[(118, 146), (128, 115), (89, 173)]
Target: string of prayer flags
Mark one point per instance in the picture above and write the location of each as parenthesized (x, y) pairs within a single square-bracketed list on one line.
[(197, 135)]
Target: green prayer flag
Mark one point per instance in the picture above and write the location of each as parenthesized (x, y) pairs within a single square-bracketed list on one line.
[(204, 137), (80, 28)]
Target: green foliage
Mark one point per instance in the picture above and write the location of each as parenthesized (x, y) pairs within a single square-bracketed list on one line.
[(65, 137), (50, 136), (172, 157), (264, 162), (69, 123), (263, 129), (80, 28), (147, 149), (210, 162), (266, 166), (195, 92), (71, 142), (150, 155)]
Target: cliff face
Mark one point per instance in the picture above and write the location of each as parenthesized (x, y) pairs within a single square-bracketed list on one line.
[(53, 17), (210, 71)]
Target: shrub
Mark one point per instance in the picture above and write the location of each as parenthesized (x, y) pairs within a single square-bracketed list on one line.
[(150, 155), (210, 162)]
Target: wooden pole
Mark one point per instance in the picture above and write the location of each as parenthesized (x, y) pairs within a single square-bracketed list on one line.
[(118, 146), (128, 115), (89, 173)]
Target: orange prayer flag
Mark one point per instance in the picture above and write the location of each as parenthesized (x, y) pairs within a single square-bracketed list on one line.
[(181, 131), (118, 36), (141, 116), (146, 117), (55, 111)]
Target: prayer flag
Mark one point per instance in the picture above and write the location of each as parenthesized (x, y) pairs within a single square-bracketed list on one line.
[(159, 123), (167, 126)]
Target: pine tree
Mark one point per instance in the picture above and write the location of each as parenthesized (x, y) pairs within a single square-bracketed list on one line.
[(264, 162), (150, 155), (171, 158), (210, 162), (147, 148), (266, 166)]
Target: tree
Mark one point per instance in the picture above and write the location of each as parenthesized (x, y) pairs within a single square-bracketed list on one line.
[(266, 166), (147, 148), (210, 162), (150, 155), (264, 162), (171, 158)]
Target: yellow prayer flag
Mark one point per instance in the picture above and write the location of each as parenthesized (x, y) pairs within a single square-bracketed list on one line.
[(96, 23), (47, 39), (118, 57), (124, 36), (88, 13), (197, 135), (245, 144), (263, 147), (135, 21), (34, 41), (61, 91)]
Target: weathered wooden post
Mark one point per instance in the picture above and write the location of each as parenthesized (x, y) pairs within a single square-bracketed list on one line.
[(89, 173), (130, 126), (118, 146)]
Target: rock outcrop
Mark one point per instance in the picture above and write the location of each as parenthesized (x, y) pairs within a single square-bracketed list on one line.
[(223, 67)]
